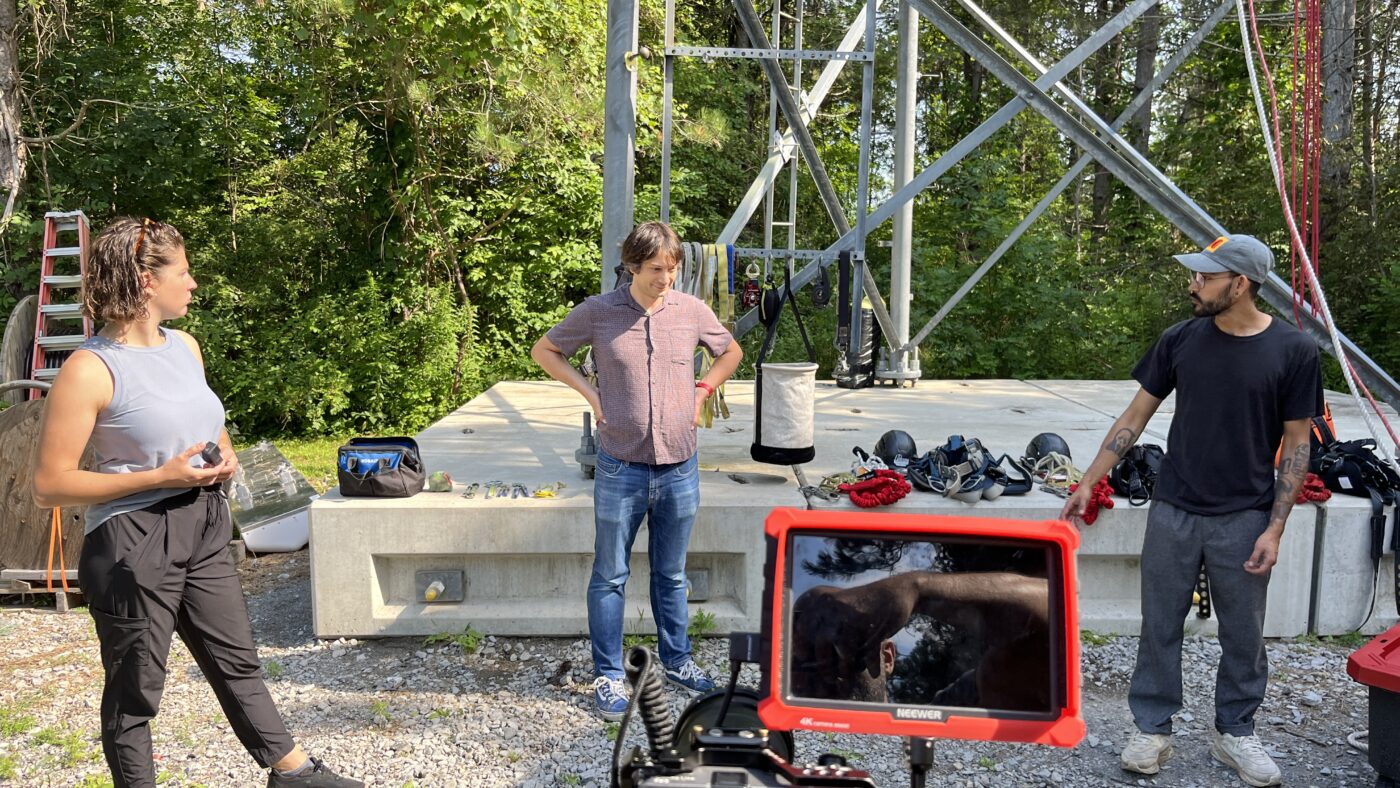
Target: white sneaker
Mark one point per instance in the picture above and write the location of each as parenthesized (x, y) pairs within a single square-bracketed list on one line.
[(1146, 752), (1246, 755)]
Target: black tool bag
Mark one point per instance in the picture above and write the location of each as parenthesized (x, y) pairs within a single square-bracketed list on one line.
[(380, 468), (1135, 476)]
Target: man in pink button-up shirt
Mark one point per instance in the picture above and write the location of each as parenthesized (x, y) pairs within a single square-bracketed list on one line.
[(646, 404)]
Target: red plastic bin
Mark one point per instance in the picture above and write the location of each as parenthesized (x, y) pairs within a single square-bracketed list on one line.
[(1377, 665)]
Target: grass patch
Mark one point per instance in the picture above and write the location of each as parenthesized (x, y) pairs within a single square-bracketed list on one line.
[(95, 781), (702, 624), (1091, 638), (48, 735), (568, 778), (612, 729), (637, 637), (313, 457), (13, 722), (469, 640), (1351, 640), (75, 749), (379, 710), (513, 756), (849, 755), (439, 714), (8, 767), (987, 762), (274, 669)]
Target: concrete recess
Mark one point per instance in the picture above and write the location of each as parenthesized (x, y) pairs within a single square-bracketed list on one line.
[(524, 562)]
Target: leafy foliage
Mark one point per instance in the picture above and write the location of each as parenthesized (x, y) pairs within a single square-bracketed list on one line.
[(387, 201)]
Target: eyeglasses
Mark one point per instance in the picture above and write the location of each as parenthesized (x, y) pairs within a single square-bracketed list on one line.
[(141, 238), (1199, 279)]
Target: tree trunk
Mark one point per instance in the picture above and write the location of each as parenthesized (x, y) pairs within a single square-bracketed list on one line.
[(1370, 125), (13, 152), (1105, 72), (1338, 86), (1149, 32)]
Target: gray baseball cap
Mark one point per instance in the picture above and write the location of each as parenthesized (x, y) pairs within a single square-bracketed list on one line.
[(1240, 254)]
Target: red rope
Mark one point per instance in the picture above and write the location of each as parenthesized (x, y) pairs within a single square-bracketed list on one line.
[(1100, 498), (1310, 187), (1313, 489), (884, 488)]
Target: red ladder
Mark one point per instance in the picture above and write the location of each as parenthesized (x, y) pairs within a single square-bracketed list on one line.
[(54, 334)]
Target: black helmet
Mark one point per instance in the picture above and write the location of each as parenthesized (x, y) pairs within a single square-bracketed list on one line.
[(897, 449), (1043, 444)]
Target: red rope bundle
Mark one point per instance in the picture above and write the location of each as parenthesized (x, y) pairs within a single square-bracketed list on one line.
[(1102, 497), (882, 489), (1313, 489)]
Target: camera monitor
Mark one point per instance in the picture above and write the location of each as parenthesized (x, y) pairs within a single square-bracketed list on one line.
[(922, 625)]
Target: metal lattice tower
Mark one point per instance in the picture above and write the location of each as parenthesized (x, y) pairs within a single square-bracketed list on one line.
[(1047, 95)]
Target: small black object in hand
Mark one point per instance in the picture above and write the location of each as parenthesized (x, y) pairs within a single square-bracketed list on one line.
[(211, 454)]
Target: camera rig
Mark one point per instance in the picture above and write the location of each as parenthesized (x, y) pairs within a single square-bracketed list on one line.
[(718, 740), (918, 626)]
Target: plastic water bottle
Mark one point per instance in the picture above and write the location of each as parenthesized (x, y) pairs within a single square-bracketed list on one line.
[(289, 483)]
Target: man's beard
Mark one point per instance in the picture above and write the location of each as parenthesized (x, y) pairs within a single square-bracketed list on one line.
[(1202, 308)]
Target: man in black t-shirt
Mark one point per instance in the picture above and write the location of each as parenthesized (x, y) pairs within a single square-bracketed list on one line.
[(1245, 383)]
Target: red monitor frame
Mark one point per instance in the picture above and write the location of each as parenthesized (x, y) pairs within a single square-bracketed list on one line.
[(1064, 729)]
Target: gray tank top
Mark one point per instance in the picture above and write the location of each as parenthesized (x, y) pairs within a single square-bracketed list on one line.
[(161, 405)]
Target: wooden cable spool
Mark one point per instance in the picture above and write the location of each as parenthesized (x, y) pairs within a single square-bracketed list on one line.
[(24, 526), (17, 348)]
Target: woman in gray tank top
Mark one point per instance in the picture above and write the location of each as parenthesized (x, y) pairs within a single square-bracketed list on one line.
[(155, 556)]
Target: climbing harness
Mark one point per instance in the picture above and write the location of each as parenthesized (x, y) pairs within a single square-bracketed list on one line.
[(1134, 476)]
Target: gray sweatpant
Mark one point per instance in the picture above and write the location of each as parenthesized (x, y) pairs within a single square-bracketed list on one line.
[(148, 574), (1171, 555)]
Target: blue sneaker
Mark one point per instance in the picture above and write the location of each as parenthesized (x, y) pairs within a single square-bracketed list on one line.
[(688, 675), (610, 696)]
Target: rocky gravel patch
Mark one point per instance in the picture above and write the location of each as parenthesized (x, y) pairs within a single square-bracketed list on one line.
[(517, 712)]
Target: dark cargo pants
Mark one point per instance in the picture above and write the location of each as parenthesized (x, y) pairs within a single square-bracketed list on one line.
[(1172, 551), (165, 569)]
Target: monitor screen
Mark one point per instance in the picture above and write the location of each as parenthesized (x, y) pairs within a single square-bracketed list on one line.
[(924, 623)]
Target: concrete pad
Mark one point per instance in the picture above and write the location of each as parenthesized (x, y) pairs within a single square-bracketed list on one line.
[(1349, 592), (1344, 577), (525, 561)]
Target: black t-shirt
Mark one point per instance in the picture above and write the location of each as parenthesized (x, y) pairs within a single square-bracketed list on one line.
[(1233, 395)]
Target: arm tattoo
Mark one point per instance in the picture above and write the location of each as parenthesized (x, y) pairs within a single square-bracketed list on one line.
[(1120, 441), (1291, 472)]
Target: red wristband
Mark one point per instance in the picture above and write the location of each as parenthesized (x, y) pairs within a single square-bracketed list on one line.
[(709, 390)]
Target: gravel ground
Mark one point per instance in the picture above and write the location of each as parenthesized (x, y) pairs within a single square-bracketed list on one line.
[(398, 712)]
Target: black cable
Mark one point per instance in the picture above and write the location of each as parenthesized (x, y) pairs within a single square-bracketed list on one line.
[(648, 690), (733, 681), (617, 744)]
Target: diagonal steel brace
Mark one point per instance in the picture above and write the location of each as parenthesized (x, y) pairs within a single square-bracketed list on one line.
[(1120, 158), (967, 145), (1069, 177)]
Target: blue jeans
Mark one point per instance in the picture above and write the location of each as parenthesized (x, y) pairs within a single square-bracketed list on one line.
[(623, 493)]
